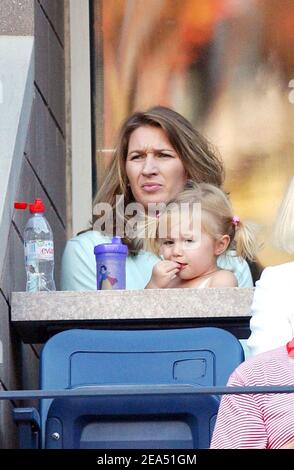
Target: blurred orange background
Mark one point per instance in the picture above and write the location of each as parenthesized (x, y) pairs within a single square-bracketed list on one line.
[(225, 65)]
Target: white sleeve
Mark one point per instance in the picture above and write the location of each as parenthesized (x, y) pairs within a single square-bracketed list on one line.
[(271, 311)]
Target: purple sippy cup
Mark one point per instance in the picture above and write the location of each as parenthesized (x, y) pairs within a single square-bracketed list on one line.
[(111, 264)]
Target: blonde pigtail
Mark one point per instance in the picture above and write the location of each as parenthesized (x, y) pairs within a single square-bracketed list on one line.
[(150, 239), (247, 244)]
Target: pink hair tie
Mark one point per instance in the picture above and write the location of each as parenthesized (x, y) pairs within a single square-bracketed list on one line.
[(235, 220)]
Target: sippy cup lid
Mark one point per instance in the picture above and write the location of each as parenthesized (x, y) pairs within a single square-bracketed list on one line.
[(116, 246)]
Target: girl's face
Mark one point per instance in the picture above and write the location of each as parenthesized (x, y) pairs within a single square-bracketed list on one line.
[(196, 254), (155, 171)]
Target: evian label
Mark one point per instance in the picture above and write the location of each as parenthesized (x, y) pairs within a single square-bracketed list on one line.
[(39, 249)]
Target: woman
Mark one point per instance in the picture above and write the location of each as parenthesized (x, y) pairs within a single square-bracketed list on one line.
[(156, 153), (272, 321)]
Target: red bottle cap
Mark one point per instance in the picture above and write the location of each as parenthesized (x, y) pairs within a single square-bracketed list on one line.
[(290, 348), (20, 205), (37, 206)]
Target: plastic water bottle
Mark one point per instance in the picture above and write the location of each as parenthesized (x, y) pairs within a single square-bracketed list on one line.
[(38, 248), (111, 264)]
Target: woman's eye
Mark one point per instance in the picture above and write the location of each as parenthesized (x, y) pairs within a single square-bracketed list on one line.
[(136, 157), (189, 241), (164, 155)]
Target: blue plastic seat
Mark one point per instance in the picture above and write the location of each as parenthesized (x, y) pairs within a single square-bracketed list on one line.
[(195, 356), (160, 421)]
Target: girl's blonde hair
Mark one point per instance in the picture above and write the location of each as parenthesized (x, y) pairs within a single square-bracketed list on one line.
[(217, 219), (283, 237)]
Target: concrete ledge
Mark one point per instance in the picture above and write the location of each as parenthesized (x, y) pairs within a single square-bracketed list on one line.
[(34, 313), (131, 304), (17, 17)]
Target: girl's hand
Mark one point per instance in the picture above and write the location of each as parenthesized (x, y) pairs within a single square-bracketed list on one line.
[(163, 272)]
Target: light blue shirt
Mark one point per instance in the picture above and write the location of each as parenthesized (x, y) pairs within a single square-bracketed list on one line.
[(78, 267)]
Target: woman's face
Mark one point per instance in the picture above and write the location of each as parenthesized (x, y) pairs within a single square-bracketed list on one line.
[(154, 169)]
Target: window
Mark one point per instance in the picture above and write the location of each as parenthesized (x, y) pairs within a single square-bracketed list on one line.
[(226, 65)]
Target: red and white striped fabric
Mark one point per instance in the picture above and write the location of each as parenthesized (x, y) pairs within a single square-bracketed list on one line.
[(263, 421)]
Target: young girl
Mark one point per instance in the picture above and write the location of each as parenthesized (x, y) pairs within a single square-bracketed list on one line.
[(195, 238)]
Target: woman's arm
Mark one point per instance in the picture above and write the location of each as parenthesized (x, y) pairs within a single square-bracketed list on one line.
[(271, 310), (289, 445), (78, 266)]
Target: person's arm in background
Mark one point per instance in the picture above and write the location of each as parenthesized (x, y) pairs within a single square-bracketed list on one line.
[(290, 445), (271, 310), (78, 265), (238, 266), (239, 423)]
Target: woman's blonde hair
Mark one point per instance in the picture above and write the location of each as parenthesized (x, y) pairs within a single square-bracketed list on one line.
[(200, 159), (283, 236), (217, 219)]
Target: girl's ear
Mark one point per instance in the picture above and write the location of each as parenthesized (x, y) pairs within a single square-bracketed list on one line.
[(221, 245)]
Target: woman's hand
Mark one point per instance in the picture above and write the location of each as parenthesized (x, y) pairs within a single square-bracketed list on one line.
[(163, 272)]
